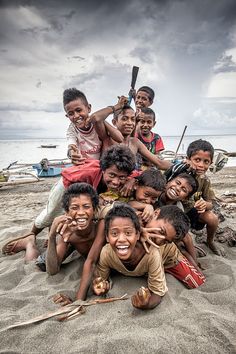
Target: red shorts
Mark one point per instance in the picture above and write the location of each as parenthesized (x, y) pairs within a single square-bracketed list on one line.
[(187, 273)]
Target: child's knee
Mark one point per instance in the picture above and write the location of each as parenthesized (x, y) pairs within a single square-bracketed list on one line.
[(210, 218)]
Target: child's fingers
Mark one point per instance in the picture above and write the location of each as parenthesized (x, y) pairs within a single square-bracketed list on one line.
[(152, 243), (145, 246)]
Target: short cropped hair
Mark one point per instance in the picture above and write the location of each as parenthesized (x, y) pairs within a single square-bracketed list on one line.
[(191, 181), (177, 218), (120, 156), (149, 111), (75, 190), (152, 178), (73, 94), (121, 210), (123, 109), (200, 144), (149, 91)]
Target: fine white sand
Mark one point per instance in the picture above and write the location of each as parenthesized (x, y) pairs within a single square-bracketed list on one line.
[(187, 321)]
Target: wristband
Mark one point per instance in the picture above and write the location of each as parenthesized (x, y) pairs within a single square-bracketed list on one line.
[(113, 109)]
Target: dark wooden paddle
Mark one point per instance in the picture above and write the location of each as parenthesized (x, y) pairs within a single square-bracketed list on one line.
[(133, 81)]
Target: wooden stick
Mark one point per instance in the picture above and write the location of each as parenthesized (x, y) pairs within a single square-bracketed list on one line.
[(76, 308), (182, 136)]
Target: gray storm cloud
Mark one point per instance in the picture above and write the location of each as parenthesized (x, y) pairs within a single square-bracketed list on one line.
[(48, 46)]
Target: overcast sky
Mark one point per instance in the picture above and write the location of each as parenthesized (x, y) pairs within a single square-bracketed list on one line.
[(186, 51)]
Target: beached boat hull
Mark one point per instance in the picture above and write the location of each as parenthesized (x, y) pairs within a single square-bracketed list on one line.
[(51, 170)]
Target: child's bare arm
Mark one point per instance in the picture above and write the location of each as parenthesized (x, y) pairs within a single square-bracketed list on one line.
[(99, 117), (147, 209), (161, 164), (56, 250), (190, 253), (113, 133), (145, 299), (91, 261)]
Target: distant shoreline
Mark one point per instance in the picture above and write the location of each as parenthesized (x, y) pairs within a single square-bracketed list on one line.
[(163, 136)]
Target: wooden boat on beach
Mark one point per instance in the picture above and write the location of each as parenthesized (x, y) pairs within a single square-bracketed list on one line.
[(48, 146), (45, 168), (52, 168)]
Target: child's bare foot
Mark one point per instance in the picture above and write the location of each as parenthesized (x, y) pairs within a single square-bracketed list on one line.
[(215, 249), (19, 244)]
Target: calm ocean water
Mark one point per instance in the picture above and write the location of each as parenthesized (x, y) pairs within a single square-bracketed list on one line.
[(29, 151)]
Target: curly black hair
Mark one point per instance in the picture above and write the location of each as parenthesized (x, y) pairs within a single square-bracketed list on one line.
[(177, 218), (197, 145), (152, 178), (119, 155), (122, 210), (75, 190)]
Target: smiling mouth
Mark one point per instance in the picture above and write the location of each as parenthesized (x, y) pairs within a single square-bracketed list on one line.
[(173, 193), (122, 250), (81, 222)]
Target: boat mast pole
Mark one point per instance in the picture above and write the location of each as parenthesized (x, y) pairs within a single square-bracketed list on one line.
[(181, 139)]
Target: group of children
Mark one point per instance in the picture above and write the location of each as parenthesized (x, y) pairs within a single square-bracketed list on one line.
[(120, 212)]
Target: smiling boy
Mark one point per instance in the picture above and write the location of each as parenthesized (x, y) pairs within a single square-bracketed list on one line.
[(87, 133), (125, 120), (80, 202), (152, 141), (125, 253), (199, 208)]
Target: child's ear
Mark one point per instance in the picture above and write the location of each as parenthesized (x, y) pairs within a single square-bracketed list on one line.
[(89, 107), (157, 212), (113, 121), (138, 235), (107, 239), (135, 185), (154, 123)]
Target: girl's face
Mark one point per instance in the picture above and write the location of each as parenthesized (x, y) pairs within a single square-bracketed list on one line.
[(122, 237)]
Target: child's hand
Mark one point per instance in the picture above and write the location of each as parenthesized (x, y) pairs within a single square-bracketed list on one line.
[(64, 225), (76, 157), (148, 234), (128, 188), (61, 299), (100, 286), (132, 93), (148, 213), (200, 205), (141, 299), (122, 101)]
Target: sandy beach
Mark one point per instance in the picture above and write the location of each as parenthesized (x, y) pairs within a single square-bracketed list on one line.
[(197, 321)]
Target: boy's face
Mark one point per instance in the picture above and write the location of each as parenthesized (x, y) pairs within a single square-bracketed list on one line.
[(81, 210), (77, 111), (114, 178), (146, 123), (166, 229), (178, 189), (147, 195), (122, 237), (200, 161), (125, 122), (142, 99)]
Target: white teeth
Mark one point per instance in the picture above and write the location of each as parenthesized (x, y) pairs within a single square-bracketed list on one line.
[(122, 247)]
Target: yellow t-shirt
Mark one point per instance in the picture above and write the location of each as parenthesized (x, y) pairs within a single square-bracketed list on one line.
[(150, 265)]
